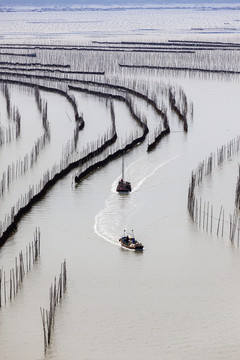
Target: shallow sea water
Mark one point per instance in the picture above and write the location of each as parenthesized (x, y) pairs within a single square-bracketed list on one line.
[(179, 299)]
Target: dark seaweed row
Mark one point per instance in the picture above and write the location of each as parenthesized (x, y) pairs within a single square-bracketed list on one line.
[(109, 158), (95, 83), (130, 91), (13, 226), (158, 138), (37, 197), (56, 71), (169, 44), (91, 48), (117, 97), (200, 43), (187, 45), (17, 54), (179, 69), (237, 192), (182, 116), (33, 64), (49, 89), (140, 95), (117, 87), (121, 151)]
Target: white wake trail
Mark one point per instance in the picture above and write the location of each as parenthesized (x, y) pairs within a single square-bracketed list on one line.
[(136, 187), (104, 234), (114, 217)]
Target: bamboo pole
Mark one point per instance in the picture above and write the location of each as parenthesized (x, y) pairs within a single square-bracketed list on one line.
[(219, 220), (211, 219)]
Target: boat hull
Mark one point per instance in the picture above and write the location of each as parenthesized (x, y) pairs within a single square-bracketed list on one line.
[(131, 244), (124, 186)]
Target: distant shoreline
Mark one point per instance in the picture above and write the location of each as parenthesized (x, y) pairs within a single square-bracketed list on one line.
[(210, 6)]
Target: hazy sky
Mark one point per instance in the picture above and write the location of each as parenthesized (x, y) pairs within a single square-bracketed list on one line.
[(108, 2)]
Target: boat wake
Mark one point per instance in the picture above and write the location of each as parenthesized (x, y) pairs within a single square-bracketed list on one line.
[(139, 184), (119, 209), (100, 229)]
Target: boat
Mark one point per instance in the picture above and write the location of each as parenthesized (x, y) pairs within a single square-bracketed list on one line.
[(123, 186), (129, 242)]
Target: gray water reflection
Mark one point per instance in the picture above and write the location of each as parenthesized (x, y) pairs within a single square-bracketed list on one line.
[(178, 300)]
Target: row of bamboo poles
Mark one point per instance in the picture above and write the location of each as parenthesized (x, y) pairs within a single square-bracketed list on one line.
[(105, 157), (6, 93), (182, 68), (14, 171), (177, 99), (172, 44), (12, 111), (12, 131), (33, 64), (237, 192), (124, 96), (153, 98), (67, 159), (180, 108), (10, 286), (225, 152), (202, 212), (56, 292), (177, 55), (158, 135), (70, 159), (205, 217)]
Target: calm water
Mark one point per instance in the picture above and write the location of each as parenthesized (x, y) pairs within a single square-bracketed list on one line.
[(179, 299)]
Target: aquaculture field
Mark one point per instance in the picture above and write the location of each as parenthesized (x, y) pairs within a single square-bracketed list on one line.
[(78, 90)]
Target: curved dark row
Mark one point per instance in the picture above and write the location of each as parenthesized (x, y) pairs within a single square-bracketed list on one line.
[(17, 54), (179, 69), (24, 210), (237, 191), (158, 138), (96, 83), (169, 43), (13, 226), (117, 97), (56, 70), (42, 77), (200, 43), (177, 43), (136, 93), (91, 48), (78, 118), (186, 45), (119, 152), (109, 158), (34, 64), (174, 107), (125, 89), (133, 92)]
